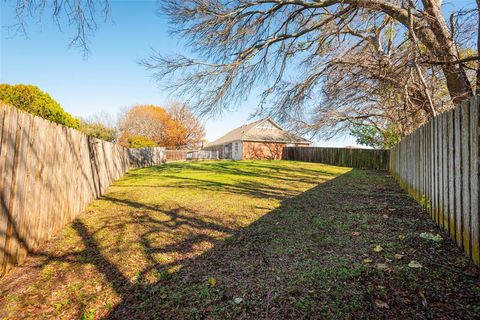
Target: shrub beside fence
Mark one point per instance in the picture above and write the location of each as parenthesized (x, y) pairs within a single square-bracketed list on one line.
[(346, 157), (438, 165), (48, 175)]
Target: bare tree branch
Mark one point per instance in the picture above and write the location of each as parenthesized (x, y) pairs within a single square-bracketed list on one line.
[(82, 15)]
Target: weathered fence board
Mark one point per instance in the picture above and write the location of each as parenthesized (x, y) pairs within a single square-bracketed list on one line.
[(465, 176), (474, 188), (458, 178), (451, 175), (143, 157), (48, 175), (6, 171), (446, 152), (346, 157), (176, 155)]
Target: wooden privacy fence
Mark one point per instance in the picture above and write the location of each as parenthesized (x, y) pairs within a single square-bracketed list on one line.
[(202, 155), (438, 165), (145, 157), (48, 175), (176, 155), (346, 157)]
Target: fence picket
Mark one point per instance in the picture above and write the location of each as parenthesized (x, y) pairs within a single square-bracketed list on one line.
[(451, 174), (465, 164), (6, 172), (12, 239), (4, 146), (474, 165)]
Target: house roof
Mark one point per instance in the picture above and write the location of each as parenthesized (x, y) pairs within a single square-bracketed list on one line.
[(254, 132)]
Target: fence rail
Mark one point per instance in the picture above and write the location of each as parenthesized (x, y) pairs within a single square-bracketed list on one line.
[(438, 165), (346, 157)]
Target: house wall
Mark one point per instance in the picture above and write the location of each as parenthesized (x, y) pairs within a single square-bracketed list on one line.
[(263, 150), (252, 150)]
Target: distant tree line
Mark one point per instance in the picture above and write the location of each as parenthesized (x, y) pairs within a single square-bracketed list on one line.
[(137, 127)]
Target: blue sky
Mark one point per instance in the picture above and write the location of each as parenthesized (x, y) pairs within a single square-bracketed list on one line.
[(110, 78)]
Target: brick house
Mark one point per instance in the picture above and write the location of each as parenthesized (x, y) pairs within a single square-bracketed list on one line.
[(261, 140)]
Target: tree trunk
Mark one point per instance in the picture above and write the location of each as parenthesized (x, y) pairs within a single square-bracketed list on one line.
[(435, 35), (445, 50)]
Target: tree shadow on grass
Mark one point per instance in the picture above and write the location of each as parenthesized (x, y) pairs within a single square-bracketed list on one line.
[(253, 189), (255, 169), (304, 259)]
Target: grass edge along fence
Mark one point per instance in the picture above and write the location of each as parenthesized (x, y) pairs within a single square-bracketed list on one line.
[(438, 165), (48, 175), (345, 157)]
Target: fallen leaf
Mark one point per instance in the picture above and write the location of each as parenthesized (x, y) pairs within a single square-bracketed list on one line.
[(381, 304), (415, 264), (238, 300), (212, 282), (367, 260), (399, 256), (431, 236), (386, 216), (355, 233), (421, 294), (378, 248), (382, 266), (401, 237), (440, 305)]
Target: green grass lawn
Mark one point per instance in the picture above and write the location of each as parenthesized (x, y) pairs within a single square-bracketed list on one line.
[(248, 239)]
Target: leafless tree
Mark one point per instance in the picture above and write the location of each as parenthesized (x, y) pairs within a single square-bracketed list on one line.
[(326, 60), (194, 129)]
